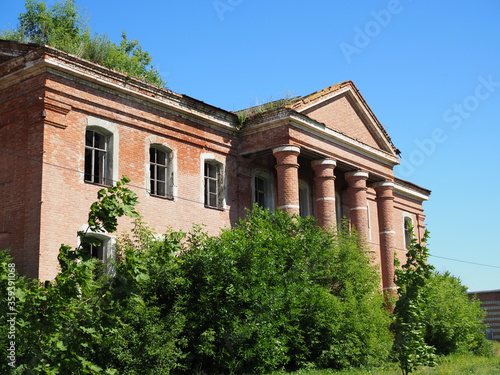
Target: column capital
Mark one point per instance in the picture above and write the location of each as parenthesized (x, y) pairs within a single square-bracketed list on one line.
[(287, 148), (357, 174), (384, 184), (324, 162)]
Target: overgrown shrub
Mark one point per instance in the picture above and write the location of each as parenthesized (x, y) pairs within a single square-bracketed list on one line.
[(277, 292), (84, 322), (454, 322), (274, 292)]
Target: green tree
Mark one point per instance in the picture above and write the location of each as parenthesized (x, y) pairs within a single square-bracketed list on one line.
[(83, 322), (409, 324), (276, 291), (454, 322), (65, 27)]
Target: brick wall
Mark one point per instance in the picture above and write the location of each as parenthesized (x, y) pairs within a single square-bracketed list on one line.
[(338, 113), (490, 302), (44, 113)]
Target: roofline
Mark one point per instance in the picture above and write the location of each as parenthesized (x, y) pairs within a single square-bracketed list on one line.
[(340, 88), (411, 190), (282, 113), (51, 57), (485, 291)]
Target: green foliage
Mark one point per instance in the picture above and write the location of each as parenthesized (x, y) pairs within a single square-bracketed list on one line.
[(410, 311), (454, 322), (86, 323), (145, 297), (275, 292), (113, 202), (278, 292), (66, 28)]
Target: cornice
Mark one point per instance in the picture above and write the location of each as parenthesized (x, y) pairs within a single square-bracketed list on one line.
[(410, 190), (44, 57), (277, 117)]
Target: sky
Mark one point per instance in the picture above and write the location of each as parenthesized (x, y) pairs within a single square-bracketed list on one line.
[(430, 71)]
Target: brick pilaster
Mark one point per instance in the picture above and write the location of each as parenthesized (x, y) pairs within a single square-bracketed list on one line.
[(324, 181), (358, 206), (287, 169)]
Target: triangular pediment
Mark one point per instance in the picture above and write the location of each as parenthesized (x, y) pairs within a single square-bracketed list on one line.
[(342, 108)]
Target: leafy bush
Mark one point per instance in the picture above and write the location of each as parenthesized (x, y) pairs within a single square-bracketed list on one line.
[(83, 322), (277, 292), (454, 322), (274, 292)]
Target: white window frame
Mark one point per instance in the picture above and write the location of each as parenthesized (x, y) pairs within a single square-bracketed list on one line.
[(268, 188), (221, 181), (110, 131)]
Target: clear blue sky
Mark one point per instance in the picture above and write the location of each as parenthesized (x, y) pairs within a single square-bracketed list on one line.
[(430, 71)]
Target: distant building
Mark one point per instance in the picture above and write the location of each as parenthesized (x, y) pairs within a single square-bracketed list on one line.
[(490, 302), (69, 127)]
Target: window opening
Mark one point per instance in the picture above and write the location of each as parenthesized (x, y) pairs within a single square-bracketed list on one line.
[(212, 185), (96, 157), (407, 228), (159, 174)]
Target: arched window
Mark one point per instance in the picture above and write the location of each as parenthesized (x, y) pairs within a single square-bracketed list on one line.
[(101, 152), (101, 246)]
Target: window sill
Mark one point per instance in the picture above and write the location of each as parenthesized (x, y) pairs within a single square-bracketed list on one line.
[(166, 197), (215, 208), (97, 184)]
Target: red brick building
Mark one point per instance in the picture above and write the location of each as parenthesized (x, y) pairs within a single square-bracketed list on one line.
[(490, 302), (69, 126)]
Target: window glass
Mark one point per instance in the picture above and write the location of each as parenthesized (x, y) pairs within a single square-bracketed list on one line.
[(304, 199), (407, 227), (96, 158), (159, 172), (94, 246), (212, 185), (260, 191)]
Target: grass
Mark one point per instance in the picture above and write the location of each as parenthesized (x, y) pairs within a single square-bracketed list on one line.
[(451, 365)]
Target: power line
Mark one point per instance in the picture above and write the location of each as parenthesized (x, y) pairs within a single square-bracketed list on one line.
[(194, 201), (82, 173), (465, 261), (452, 259)]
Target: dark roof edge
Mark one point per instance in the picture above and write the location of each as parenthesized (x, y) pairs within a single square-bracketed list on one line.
[(115, 78), (412, 186)]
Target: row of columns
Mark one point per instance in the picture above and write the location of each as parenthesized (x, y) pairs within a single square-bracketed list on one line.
[(288, 200)]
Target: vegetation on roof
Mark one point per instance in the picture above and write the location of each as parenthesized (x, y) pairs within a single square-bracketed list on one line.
[(64, 26)]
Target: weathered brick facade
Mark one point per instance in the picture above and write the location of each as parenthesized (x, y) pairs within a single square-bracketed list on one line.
[(490, 302), (324, 154)]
